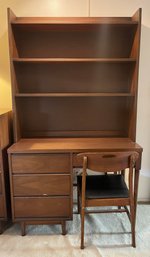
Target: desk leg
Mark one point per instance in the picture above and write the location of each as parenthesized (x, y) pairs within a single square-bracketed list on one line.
[(136, 182), (63, 224)]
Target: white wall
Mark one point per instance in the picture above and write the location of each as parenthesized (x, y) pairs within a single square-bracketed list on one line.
[(94, 8)]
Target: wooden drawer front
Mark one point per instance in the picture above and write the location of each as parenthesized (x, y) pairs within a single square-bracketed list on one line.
[(2, 213), (39, 207), (41, 163), (25, 185), (0, 183)]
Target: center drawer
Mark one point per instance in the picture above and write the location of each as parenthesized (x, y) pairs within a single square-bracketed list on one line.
[(41, 163), (40, 184)]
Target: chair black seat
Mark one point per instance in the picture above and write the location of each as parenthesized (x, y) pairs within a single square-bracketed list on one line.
[(104, 186)]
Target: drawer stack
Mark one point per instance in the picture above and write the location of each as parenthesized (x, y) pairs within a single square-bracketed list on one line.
[(41, 186), (5, 141)]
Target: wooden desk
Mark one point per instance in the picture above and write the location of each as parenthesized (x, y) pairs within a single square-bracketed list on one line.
[(41, 175), (69, 80)]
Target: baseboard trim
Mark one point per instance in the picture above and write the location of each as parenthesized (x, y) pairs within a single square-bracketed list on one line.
[(143, 202)]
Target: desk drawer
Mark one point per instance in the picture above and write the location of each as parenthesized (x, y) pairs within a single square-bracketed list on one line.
[(2, 213), (40, 184), (41, 163), (38, 207)]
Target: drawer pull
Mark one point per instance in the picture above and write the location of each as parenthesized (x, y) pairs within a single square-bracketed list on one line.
[(45, 194)]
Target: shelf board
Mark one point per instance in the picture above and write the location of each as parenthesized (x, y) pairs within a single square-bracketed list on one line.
[(74, 20), (74, 60), (73, 94)]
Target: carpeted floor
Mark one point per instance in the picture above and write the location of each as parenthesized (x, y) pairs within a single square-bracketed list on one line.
[(106, 235)]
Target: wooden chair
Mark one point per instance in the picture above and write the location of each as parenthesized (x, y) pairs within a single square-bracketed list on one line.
[(107, 189)]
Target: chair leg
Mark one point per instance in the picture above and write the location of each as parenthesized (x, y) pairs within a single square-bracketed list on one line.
[(82, 228), (23, 228), (63, 225), (132, 218), (78, 201)]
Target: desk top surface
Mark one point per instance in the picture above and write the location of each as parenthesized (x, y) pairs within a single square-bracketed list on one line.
[(73, 145)]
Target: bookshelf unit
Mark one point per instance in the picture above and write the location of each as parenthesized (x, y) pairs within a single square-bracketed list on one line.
[(74, 77), (60, 66)]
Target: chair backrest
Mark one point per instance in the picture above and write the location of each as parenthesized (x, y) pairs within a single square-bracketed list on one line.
[(108, 161)]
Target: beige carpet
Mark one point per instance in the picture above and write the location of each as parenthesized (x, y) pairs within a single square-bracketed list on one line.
[(106, 235)]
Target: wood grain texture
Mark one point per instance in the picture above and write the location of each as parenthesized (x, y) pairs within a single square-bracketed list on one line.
[(108, 161), (5, 141), (0, 182), (4, 129), (74, 77), (74, 20), (73, 145), (42, 185), (2, 208), (13, 51), (42, 207), (41, 163), (136, 54), (70, 60)]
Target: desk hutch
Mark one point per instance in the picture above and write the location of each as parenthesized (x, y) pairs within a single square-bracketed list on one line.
[(74, 89)]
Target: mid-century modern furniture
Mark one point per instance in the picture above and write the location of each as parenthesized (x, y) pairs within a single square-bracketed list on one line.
[(74, 89), (5, 141), (107, 189)]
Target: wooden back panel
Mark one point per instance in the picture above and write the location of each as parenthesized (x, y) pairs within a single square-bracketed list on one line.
[(74, 40), (64, 116), (74, 77)]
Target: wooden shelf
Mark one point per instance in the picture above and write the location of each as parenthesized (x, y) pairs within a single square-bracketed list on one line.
[(73, 94), (74, 60), (74, 20)]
